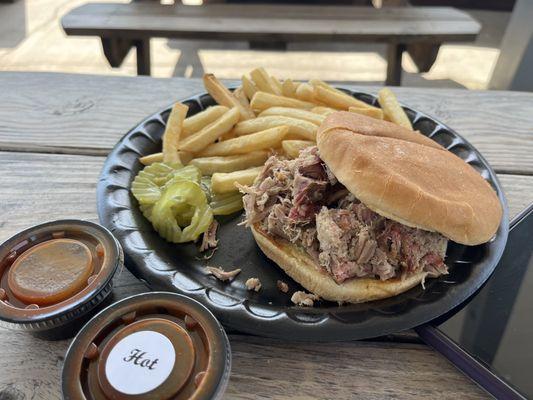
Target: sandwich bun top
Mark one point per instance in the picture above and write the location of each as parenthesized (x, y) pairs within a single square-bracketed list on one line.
[(373, 127), (405, 176)]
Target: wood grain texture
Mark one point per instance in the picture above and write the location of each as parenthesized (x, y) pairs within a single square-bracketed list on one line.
[(84, 114), (270, 369), (271, 23), (87, 114), (349, 370), (39, 187)]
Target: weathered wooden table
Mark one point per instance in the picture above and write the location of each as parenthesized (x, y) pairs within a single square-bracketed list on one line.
[(55, 131), (419, 30)]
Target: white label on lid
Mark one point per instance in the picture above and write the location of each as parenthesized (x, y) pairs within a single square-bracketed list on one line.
[(140, 362)]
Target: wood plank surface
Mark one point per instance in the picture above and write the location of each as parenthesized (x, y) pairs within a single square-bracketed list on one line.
[(271, 23), (41, 187), (56, 113), (87, 114), (270, 369), (278, 11), (64, 186)]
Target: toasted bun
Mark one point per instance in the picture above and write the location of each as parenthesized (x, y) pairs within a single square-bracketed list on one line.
[(300, 266), (408, 181), (373, 127)]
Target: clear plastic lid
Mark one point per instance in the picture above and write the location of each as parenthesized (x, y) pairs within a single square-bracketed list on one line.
[(53, 273)]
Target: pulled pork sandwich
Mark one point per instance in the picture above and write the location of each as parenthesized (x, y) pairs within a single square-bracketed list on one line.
[(367, 214)]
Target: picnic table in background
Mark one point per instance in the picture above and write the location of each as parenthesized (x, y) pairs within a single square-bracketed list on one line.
[(55, 130), (419, 30)]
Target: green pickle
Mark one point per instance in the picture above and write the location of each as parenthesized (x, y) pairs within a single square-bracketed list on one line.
[(225, 204), (205, 183), (188, 173), (146, 186), (188, 197), (177, 200)]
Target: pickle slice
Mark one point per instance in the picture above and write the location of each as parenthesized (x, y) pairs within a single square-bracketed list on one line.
[(145, 190), (195, 215), (159, 172), (178, 200), (188, 173), (146, 187), (205, 184), (146, 210), (170, 197), (225, 204)]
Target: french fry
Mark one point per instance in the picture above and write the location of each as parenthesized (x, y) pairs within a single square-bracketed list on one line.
[(203, 138), (337, 99), (277, 84), (263, 100), (226, 136), (323, 110), (173, 129), (297, 127), (248, 87), (370, 112), (224, 97), (318, 82), (210, 165), (288, 88), (264, 82), (267, 139), (305, 92), (241, 97), (225, 182), (392, 110), (202, 119), (185, 157), (151, 158), (347, 98), (294, 113), (292, 147)]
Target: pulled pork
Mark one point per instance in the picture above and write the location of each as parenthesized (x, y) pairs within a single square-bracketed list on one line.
[(209, 239), (302, 202), (304, 299), (222, 275), (253, 284), (282, 286)]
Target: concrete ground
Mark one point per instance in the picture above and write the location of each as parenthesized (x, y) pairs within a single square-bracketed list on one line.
[(31, 39)]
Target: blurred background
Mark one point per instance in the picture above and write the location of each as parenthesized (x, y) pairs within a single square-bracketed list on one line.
[(33, 39)]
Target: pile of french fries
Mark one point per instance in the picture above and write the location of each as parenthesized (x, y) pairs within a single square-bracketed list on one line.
[(232, 140)]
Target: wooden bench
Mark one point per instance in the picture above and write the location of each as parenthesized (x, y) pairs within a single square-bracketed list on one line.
[(419, 30)]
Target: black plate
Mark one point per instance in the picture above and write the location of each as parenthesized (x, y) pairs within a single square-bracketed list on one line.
[(166, 266)]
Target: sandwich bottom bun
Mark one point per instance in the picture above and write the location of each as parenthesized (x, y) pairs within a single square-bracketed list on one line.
[(303, 269)]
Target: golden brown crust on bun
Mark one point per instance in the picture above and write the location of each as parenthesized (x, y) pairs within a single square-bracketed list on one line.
[(301, 267), (414, 184), (374, 127)]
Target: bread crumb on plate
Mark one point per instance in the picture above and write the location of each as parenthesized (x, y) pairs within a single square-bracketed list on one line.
[(282, 286), (253, 284), (304, 299)]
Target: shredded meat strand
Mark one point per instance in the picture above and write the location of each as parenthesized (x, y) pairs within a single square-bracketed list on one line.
[(304, 299), (222, 275), (282, 286), (253, 284), (302, 202), (209, 239)]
